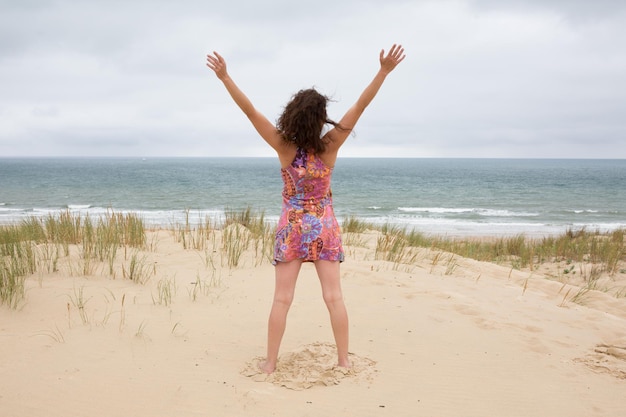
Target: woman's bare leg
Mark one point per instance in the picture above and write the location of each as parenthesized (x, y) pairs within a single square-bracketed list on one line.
[(328, 273), (286, 277)]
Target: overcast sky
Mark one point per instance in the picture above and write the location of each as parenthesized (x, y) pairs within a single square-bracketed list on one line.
[(482, 78)]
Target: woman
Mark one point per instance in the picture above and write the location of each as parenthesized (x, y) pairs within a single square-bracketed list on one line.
[(307, 230)]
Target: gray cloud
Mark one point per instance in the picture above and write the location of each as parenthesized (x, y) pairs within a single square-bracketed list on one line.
[(575, 10), (482, 78)]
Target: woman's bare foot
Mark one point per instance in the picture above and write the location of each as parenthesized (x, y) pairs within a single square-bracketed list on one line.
[(344, 363), (266, 367)]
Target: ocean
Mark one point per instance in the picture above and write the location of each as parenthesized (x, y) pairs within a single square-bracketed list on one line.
[(454, 197)]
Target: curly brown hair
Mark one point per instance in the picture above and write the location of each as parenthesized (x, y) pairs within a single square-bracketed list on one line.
[(303, 118)]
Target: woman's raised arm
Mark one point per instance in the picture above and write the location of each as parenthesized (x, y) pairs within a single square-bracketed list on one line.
[(263, 126), (388, 63)]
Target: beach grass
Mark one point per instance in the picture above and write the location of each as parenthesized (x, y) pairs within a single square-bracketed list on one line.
[(353, 224), (243, 229), (586, 255), (605, 251), (37, 244), (589, 252), (194, 237), (79, 301), (166, 291), (138, 269), (17, 260), (40, 244), (235, 240)]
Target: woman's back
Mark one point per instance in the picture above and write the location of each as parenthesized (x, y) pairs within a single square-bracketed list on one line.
[(307, 179), (307, 228)]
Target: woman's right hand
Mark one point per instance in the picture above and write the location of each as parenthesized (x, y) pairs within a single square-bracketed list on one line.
[(218, 64)]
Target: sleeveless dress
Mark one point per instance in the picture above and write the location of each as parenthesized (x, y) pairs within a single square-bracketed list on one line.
[(307, 228)]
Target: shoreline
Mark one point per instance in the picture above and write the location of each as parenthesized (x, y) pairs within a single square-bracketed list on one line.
[(166, 219)]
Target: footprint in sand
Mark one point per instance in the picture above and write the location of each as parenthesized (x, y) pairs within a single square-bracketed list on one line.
[(610, 359), (309, 366)]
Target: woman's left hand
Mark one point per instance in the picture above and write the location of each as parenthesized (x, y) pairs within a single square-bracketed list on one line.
[(392, 59)]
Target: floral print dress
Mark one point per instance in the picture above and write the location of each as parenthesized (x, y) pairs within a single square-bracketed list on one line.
[(307, 228)]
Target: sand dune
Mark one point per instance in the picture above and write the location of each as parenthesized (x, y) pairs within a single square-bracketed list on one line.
[(458, 338)]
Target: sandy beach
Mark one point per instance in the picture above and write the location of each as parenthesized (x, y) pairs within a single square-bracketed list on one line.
[(434, 338)]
